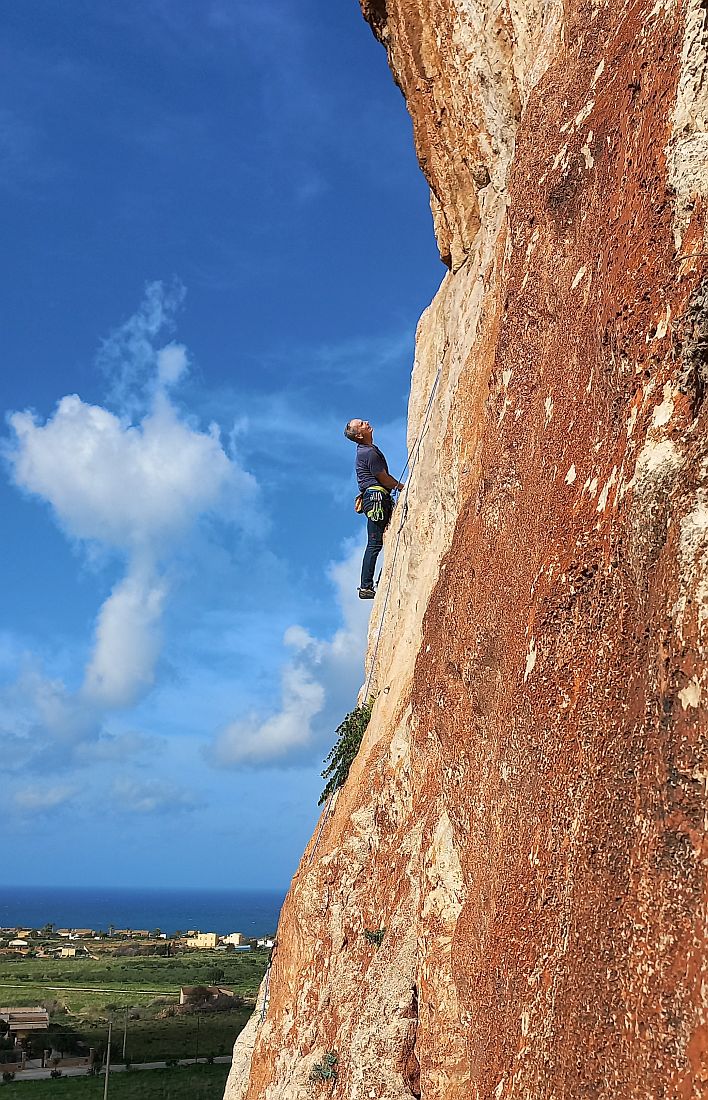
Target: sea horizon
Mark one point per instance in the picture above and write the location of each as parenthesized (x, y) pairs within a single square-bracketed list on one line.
[(254, 912)]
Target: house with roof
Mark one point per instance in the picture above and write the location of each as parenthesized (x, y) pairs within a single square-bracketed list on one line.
[(72, 951), (205, 941), (22, 1022), (198, 994), (234, 938)]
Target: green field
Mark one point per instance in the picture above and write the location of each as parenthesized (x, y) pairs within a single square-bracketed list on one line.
[(242, 972), (113, 983), (182, 1083)]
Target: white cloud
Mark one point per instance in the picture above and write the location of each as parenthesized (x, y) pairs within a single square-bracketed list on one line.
[(171, 363), (317, 685), (39, 799), (253, 741), (138, 487), (128, 356), (131, 487), (63, 715), (128, 642)]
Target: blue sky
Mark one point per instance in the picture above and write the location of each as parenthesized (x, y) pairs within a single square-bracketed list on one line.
[(217, 243)]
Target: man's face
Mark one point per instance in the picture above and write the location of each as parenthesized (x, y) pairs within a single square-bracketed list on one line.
[(363, 430)]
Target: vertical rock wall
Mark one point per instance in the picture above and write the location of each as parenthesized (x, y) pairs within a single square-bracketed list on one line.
[(526, 818)]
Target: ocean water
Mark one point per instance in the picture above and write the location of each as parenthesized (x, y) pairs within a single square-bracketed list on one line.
[(253, 912)]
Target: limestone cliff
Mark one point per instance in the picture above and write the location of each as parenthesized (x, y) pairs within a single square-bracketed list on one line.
[(526, 817)]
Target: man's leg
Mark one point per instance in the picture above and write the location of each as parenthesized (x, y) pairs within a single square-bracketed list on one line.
[(375, 532)]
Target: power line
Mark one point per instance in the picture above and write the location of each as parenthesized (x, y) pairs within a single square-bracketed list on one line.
[(108, 1061)]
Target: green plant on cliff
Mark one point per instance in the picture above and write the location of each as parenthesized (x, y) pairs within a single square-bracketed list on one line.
[(374, 936), (326, 1070), (349, 735)]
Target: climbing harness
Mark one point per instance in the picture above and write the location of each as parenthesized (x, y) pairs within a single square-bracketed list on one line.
[(412, 461), (374, 503), (370, 502)]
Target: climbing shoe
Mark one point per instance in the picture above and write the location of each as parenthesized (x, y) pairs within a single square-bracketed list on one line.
[(366, 593)]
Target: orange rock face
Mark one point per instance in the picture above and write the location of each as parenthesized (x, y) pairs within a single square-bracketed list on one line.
[(525, 821)]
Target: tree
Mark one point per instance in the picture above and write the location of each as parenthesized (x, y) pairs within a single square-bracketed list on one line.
[(349, 736)]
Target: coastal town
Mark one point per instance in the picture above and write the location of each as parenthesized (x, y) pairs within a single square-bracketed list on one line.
[(67, 943)]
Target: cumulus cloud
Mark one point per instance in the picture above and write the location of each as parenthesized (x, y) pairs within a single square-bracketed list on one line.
[(137, 486), (320, 679), (131, 487), (128, 640), (253, 740)]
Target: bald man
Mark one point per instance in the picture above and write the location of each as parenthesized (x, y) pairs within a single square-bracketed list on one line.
[(375, 485)]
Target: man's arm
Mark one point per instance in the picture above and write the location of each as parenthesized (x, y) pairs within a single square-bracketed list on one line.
[(387, 481)]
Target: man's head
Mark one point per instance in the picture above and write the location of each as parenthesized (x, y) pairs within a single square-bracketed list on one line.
[(359, 431)]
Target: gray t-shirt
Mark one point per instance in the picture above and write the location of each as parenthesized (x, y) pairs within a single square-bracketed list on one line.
[(369, 464)]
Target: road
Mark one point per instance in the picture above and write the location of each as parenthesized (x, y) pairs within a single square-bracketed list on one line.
[(94, 989), (80, 1071)]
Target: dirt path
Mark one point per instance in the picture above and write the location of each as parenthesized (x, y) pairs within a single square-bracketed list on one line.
[(95, 989), (80, 1071)]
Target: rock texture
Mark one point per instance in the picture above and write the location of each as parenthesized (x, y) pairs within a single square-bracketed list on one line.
[(526, 817)]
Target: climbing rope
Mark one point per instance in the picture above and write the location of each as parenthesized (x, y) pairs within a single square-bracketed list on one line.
[(266, 991), (325, 815), (402, 507), (411, 460)]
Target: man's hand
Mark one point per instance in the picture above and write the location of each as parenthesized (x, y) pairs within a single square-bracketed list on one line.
[(388, 482)]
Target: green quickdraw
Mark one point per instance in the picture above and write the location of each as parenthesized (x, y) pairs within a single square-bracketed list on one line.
[(375, 496)]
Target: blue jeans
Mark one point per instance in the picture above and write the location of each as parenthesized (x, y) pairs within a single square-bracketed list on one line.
[(375, 531)]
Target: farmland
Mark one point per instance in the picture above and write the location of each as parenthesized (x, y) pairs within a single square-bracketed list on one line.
[(140, 996)]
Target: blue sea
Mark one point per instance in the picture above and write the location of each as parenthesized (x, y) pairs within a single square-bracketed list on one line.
[(252, 912)]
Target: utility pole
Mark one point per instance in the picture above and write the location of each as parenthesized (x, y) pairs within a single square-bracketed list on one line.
[(108, 1061), (196, 1055), (125, 1031)]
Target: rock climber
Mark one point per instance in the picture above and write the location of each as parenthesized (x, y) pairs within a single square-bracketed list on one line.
[(375, 488)]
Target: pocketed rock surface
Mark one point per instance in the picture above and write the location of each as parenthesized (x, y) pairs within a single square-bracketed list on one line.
[(525, 821)]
